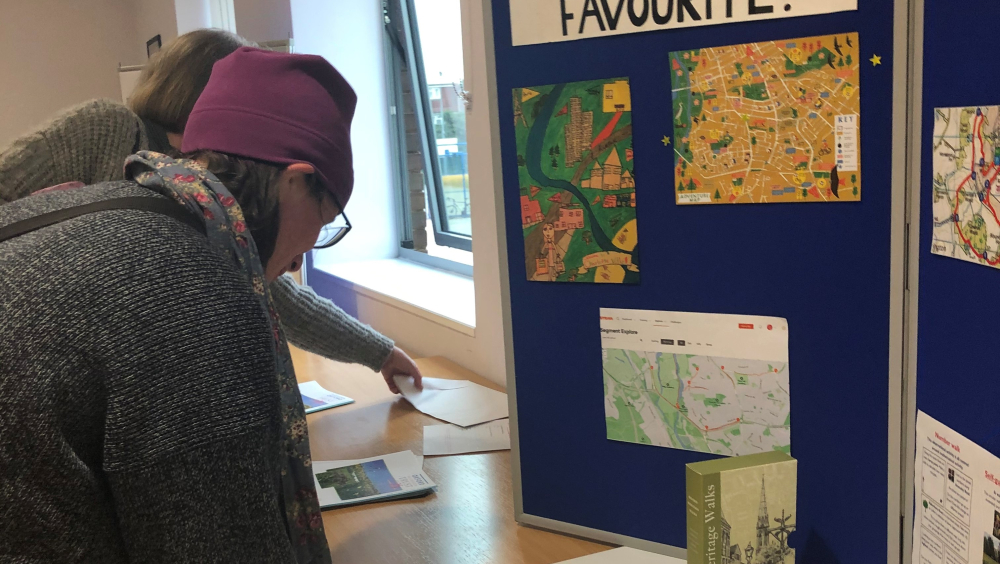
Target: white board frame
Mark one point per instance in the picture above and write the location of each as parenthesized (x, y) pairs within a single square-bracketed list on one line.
[(915, 86)]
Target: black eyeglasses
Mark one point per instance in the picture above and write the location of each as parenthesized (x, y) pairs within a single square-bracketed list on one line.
[(333, 232)]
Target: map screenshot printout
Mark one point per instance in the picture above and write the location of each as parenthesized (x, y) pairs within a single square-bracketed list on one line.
[(713, 383), (768, 122), (966, 191)]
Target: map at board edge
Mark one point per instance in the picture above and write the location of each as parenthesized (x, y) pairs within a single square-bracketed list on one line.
[(696, 403), (577, 181), (966, 193), (768, 122)]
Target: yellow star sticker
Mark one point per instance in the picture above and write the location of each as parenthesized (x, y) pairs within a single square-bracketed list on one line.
[(745, 117), (876, 60), (666, 140)]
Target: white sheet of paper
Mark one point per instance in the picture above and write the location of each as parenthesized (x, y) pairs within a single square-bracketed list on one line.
[(625, 555), (443, 384), (448, 439), (399, 474), (316, 397), (464, 406), (957, 487)]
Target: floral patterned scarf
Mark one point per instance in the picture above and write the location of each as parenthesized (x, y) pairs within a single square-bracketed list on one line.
[(189, 183)]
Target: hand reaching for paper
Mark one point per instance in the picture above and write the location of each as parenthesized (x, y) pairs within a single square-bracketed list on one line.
[(400, 364), (460, 402)]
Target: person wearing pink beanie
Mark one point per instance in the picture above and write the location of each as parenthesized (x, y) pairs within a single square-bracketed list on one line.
[(88, 144), (151, 412)]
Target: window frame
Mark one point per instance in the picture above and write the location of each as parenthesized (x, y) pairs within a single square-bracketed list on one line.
[(433, 185), (397, 126)]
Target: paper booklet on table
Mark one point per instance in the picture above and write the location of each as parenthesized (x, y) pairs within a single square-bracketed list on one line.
[(316, 397), (461, 402), (382, 478)]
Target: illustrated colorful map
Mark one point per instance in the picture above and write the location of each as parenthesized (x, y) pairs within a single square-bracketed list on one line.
[(768, 122), (702, 403), (966, 189), (575, 169)]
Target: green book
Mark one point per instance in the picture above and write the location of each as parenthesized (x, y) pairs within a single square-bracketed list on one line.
[(741, 510)]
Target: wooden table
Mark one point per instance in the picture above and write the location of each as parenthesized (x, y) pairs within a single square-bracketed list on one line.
[(470, 520)]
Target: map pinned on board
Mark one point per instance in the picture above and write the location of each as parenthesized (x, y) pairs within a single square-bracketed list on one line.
[(966, 189), (713, 383), (575, 169), (768, 122)]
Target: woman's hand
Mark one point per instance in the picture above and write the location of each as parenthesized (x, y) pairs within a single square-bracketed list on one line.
[(400, 364)]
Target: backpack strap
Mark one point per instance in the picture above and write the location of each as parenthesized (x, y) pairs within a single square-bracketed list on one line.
[(162, 206)]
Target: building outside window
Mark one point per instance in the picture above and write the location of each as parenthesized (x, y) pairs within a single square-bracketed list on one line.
[(425, 65)]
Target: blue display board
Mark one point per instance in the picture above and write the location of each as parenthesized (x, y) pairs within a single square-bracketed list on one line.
[(824, 267), (956, 359)]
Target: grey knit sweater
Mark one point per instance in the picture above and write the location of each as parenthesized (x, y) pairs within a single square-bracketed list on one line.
[(89, 144), (139, 413)]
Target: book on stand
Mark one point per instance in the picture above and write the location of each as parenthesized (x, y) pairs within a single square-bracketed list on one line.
[(741, 510)]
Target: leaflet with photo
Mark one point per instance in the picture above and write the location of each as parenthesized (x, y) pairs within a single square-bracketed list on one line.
[(317, 398), (382, 478)]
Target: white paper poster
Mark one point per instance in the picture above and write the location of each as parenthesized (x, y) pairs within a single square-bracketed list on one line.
[(957, 498), (548, 21)]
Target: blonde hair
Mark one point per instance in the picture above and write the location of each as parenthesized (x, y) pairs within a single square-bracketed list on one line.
[(174, 78)]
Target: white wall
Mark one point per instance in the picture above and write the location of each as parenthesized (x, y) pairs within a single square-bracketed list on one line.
[(263, 20), (154, 17), (484, 353), (192, 15), (57, 53), (349, 35), (488, 232)]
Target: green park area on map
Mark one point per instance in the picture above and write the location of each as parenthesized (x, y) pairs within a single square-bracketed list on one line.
[(706, 404)]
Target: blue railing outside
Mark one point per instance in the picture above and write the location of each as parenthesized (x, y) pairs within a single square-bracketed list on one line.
[(452, 162)]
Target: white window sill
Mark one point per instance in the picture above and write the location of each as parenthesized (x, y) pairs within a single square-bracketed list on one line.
[(445, 298)]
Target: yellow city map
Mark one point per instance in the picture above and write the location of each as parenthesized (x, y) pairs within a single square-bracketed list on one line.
[(768, 122)]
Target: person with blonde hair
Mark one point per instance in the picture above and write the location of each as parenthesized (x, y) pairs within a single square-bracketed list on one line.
[(89, 143)]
